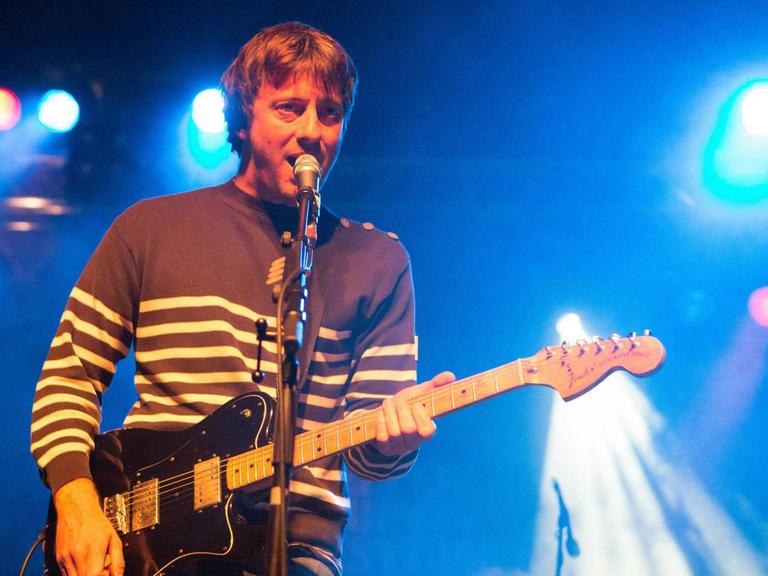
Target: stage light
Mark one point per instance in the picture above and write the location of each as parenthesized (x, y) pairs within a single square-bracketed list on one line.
[(58, 111), (10, 109), (633, 509), (208, 111), (758, 306), (735, 162), (754, 110), (570, 329)]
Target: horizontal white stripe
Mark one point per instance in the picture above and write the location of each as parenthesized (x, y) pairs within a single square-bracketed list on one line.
[(202, 327), (321, 401), (193, 377), (186, 352), (332, 475), (175, 400), (92, 330), (60, 449), (63, 416), (390, 375), (392, 350), (331, 334), (99, 306), (329, 357), (58, 434), (332, 380), (75, 384), (62, 397), (66, 362), (320, 493), (186, 420), (366, 395), (202, 302), (94, 358), (378, 469), (307, 424)]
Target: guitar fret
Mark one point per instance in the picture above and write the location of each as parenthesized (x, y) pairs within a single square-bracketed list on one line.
[(495, 381), (453, 402), (338, 442), (474, 390), (264, 466)]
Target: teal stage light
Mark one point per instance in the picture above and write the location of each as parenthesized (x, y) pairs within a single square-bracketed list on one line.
[(208, 111), (58, 111), (735, 163), (10, 109)]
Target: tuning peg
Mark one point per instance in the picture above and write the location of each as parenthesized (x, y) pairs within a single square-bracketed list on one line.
[(548, 350), (598, 343), (646, 332), (615, 339), (633, 339), (582, 344), (565, 347)]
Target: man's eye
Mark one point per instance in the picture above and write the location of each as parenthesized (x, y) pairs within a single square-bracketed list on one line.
[(331, 113), (288, 107)]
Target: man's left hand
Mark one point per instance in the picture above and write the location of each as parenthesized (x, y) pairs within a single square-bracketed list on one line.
[(400, 428)]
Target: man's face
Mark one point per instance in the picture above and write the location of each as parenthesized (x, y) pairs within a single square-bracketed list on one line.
[(296, 118)]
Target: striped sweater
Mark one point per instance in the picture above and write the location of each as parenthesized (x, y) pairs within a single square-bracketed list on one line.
[(182, 279)]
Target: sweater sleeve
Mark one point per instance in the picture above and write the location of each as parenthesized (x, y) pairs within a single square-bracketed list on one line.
[(385, 362), (95, 332)]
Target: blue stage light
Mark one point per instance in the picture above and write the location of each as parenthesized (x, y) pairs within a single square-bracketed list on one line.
[(208, 111), (754, 110), (10, 109), (58, 111), (735, 163)]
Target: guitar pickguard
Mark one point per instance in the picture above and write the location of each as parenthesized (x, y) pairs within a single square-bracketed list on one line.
[(166, 493)]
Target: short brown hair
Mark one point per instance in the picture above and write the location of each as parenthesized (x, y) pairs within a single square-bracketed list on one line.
[(273, 55)]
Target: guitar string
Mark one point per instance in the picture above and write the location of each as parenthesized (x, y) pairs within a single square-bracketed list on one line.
[(171, 483), (170, 505)]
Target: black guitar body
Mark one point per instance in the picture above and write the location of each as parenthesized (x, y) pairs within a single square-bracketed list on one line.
[(184, 541)]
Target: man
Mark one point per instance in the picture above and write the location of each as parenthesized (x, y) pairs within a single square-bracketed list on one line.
[(182, 279)]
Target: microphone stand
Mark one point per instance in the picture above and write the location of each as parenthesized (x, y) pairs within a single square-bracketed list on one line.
[(564, 524), (292, 305)]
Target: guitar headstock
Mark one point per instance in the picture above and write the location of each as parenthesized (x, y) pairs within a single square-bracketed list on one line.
[(573, 369)]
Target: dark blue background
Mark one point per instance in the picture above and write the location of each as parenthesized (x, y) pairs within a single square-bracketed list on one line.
[(534, 157)]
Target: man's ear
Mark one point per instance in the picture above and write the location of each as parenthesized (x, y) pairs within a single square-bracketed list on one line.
[(241, 134)]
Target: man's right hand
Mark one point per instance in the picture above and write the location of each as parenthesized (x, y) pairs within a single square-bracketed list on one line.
[(86, 543)]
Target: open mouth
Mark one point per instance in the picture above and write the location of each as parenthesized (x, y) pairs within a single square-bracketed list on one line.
[(291, 158)]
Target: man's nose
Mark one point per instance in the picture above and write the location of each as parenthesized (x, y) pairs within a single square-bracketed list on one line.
[(308, 129)]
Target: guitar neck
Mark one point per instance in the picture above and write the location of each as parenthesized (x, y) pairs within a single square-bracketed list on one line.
[(360, 427), (571, 369)]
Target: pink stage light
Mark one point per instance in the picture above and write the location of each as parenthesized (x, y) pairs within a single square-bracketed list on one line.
[(10, 109), (758, 306)]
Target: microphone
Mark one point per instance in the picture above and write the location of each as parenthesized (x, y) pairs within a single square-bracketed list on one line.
[(307, 172)]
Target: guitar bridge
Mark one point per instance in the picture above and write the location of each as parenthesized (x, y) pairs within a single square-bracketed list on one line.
[(145, 512), (116, 513)]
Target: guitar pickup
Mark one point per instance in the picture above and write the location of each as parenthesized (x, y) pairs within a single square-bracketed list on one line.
[(145, 511), (207, 483), (115, 511)]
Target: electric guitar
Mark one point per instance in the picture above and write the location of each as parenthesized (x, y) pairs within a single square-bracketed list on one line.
[(172, 496)]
